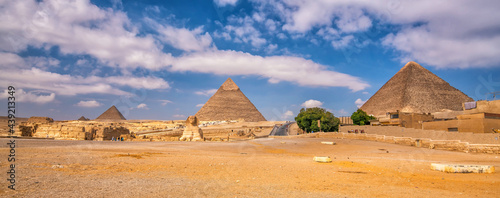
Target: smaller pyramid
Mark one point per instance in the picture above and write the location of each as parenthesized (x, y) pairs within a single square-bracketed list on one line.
[(229, 103), (111, 114), (83, 118)]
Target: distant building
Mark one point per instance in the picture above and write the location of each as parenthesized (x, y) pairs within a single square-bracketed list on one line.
[(404, 119), (478, 117), (345, 120)]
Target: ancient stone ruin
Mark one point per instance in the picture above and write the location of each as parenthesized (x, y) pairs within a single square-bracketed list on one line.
[(229, 103), (415, 89), (192, 132)]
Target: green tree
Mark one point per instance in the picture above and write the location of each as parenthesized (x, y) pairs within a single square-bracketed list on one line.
[(307, 120), (361, 118)]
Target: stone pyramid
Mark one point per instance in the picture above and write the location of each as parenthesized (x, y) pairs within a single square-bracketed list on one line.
[(83, 118), (111, 114), (417, 90), (229, 103)]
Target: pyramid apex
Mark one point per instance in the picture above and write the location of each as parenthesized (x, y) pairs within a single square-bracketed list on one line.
[(412, 64), (229, 85), (111, 114)]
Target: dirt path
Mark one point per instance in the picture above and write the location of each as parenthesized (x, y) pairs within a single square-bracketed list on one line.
[(256, 168)]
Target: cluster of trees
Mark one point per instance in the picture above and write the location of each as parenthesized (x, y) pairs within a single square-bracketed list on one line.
[(361, 118), (307, 120)]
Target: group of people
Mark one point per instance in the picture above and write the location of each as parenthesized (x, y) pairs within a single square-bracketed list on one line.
[(116, 139)]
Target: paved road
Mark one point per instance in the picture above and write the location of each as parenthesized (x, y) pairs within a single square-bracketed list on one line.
[(282, 130)]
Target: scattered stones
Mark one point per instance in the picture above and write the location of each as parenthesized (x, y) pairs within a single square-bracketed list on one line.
[(322, 159), (57, 166), (460, 168)]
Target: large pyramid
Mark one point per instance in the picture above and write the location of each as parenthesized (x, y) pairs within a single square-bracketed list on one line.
[(415, 89), (229, 103), (111, 114)]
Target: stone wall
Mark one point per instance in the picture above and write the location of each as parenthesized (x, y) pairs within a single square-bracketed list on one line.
[(140, 130), (89, 130), (484, 106), (40, 120), (450, 145), (477, 123), (473, 138), (413, 120)]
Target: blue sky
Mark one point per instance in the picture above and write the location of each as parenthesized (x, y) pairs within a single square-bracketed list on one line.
[(163, 59)]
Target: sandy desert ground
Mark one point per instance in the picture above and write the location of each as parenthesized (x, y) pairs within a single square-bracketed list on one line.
[(255, 168)]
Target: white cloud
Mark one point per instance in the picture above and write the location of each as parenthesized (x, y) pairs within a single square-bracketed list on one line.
[(444, 34), (111, 38), (153, 9), (222, 3), (271, 48), (225, 35), (359, 102), (351, 19), (343, 42), (276, 68), (281, 36), (426, 46), (259, 16), (89, 103), (39, 97), (365, 92), (179, 116), (305, 15), (42, 62), (200, 105), (11, 61), (184, 39), (206, 92), (328, 33), (243, 30), (165, 102), (311, 103), (138, 82), (270, 25), (288, 114), (142, 106), (81, 62), (64, 84), (73, 85), (114, 41)]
